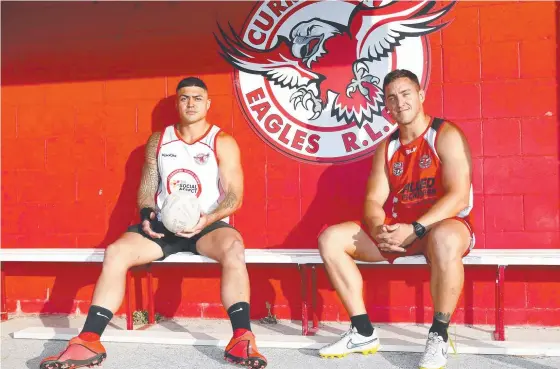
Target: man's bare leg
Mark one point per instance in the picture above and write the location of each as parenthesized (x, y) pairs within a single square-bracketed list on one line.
[(225, 245), (86, 349), (339, 246), (446, 244), (132, 249)]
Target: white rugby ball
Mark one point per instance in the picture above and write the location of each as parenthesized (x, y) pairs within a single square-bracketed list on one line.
[(180, 211)]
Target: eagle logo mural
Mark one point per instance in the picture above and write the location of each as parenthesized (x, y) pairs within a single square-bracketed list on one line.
[(329, 63)]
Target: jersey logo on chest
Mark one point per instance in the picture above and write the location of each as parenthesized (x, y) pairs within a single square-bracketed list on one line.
[(425, 161), (201, 159), (398, 168)]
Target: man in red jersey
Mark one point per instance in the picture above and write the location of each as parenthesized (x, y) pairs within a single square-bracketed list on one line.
[(421, 175)]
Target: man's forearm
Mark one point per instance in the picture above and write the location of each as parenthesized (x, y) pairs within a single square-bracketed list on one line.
[(227, 206), (448, 206), (148, 187), (374, 215), (150, 176)]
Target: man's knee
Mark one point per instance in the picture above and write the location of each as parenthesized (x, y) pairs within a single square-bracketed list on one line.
[(329, 242), (233, 255), (446, 243), (117, 256)]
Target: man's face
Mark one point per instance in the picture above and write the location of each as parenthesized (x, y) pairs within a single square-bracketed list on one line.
[(403, 100), (192, 104)]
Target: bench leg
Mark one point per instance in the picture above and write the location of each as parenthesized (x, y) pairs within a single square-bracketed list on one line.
[(315, 327), (3, 308), (151, 305), (304, 316), (305, 330), (129, 288), (499, 333)]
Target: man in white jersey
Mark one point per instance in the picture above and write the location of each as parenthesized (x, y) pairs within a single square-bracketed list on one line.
[(192, 155)]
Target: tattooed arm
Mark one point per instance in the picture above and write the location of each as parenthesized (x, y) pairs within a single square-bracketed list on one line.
[(231, 177), (150, 176), (149, 183)]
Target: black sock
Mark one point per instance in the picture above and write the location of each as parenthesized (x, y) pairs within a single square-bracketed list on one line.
[(362, 324), (239, 316), (440, 328), (97, 320)]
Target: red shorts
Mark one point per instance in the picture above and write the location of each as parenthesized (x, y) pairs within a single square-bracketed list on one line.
[(417, 246)]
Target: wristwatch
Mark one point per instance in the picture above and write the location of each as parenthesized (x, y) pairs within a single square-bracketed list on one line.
[(419, 229)]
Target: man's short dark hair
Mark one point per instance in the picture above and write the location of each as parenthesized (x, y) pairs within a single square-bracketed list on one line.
[(192, 82), (400, 73)]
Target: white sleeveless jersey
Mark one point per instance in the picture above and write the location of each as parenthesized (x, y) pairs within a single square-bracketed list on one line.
[(189, 167)]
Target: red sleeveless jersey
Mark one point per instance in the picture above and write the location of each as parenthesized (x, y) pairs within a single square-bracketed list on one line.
[(415, 175)]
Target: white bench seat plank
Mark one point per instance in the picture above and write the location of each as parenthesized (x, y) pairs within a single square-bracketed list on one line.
[(289, 256)]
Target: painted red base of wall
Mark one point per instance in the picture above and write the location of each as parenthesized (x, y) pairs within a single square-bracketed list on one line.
[(392, 293)]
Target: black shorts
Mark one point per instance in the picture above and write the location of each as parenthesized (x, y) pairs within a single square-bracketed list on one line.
[(171, 244)]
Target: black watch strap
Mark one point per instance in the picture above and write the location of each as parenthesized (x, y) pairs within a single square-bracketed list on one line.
[(419, 229), (145, 214)]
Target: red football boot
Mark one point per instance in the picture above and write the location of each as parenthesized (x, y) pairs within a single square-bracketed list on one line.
[(77, 354), (242, 350)]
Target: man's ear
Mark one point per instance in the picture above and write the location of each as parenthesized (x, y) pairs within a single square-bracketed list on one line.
[(422, 94)]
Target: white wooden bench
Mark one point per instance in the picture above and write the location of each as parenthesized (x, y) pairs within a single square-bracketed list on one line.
[(79, 255), (500, 258), (305, 259)]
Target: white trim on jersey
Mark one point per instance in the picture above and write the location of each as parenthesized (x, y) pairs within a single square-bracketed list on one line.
[(392, 148), (430, 137)]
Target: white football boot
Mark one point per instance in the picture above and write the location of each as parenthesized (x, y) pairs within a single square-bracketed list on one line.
[(349, 342), (435, 354)]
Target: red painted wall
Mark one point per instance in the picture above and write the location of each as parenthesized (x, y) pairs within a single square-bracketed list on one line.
[(84, 85)]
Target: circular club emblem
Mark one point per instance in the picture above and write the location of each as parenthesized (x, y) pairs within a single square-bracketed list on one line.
[(309, 75), (184, 180)]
